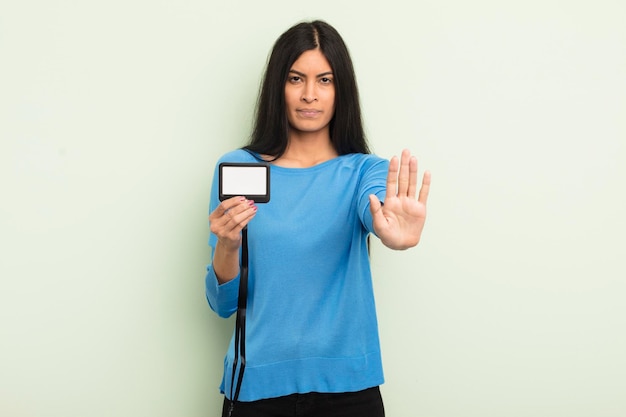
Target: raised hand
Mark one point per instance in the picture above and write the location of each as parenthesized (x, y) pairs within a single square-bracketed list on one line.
[(400, 220), (226, 222)]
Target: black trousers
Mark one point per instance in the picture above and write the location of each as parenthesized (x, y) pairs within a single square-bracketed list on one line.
[(366, 403)]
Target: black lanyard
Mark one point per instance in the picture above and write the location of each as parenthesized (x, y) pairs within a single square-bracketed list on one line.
[(240, 324)]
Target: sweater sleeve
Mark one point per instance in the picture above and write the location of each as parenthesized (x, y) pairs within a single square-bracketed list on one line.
[(373, 180), (222, 298)]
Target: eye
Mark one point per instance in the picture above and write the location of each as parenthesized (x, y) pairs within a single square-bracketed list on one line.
[(294, 79), (326, 80)]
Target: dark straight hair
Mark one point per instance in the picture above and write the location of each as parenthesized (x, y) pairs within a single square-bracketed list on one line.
[(271, 127)]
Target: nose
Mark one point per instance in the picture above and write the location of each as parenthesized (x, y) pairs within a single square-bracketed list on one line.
[(308, 94)]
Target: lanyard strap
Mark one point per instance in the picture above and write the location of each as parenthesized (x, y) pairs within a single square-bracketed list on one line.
[(240, 323)]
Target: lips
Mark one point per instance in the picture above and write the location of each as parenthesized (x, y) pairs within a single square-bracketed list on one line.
[(308, 113)]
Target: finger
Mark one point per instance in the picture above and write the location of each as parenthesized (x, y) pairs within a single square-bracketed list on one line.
[(403, 177), (376, 208), (230, 203), (241, 216), (412, 177), (375, 204), (425, 189), (229, 224), (392, 178), (227, 209)]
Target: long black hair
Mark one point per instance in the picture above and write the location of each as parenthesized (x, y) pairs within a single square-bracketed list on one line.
[(271, 127)]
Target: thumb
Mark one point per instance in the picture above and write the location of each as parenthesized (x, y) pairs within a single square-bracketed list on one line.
[(375, 205), (378, 219)]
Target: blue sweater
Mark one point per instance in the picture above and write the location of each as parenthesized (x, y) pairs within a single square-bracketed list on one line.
[(311, 318)]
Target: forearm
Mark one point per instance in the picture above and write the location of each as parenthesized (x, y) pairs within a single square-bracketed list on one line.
[(225, 263)]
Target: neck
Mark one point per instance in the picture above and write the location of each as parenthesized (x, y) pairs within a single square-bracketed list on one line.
[(306, 150)]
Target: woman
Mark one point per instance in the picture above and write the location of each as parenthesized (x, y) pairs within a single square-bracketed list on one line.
[(312, 344)]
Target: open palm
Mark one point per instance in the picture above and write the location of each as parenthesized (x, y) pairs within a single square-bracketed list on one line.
[(400, 220)]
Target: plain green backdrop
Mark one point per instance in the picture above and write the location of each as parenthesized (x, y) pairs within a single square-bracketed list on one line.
[(112, 115)]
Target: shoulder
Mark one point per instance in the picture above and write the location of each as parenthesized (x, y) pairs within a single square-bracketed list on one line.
[(364, 162), (238, 155)]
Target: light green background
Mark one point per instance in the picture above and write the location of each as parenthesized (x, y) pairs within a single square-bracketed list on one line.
[(113, 113)]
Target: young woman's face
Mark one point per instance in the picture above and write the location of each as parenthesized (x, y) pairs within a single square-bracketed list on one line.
[(310, 93)]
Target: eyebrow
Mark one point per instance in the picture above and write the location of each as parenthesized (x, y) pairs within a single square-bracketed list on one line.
[(318, 75)]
